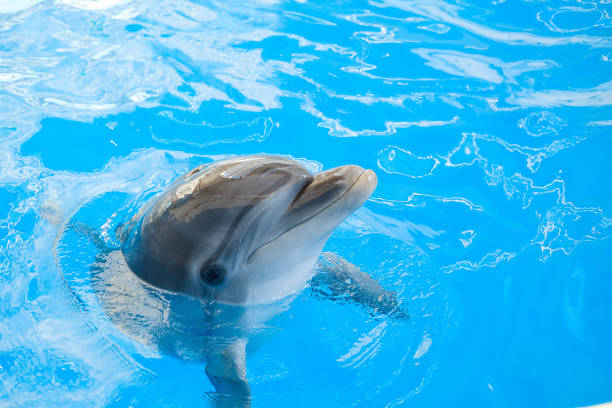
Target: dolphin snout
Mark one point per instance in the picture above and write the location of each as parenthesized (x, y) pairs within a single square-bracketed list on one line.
[(366, 182), (319, 207), (326, 187), (350, 185)]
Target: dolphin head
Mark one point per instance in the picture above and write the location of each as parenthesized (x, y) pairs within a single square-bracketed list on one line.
[(245, 230)]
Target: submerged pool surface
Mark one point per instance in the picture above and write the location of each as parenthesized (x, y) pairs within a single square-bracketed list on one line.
[(488, 124)]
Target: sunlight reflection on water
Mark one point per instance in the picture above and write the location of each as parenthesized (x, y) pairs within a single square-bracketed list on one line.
[(488, 126)]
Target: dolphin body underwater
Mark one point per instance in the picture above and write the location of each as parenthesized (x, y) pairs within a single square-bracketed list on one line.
[(224, 249)]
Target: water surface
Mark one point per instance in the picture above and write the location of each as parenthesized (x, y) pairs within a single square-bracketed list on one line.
[(488, 124)]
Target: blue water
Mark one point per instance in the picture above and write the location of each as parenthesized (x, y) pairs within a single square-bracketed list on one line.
[(489, 125)]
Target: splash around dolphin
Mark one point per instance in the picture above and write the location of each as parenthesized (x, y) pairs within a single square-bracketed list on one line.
[(205, 264)]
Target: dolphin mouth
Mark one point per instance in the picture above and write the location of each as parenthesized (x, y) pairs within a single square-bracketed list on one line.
[(350, 185), (325, 199)]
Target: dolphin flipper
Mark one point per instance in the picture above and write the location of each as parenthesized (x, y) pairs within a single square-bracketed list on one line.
[(226, 370), (338, 279)]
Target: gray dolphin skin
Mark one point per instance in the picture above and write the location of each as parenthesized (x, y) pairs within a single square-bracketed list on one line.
[(224, 249), (247, 230)]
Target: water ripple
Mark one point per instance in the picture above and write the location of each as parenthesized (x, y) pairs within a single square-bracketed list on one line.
[(478, 66), (488, 124), (600, 95), (449, 14)]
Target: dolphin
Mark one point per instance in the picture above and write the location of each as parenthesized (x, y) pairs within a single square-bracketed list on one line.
[(224, 249), (247, 230)]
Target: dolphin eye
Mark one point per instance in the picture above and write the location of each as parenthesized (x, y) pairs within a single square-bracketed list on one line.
[(212, 274)]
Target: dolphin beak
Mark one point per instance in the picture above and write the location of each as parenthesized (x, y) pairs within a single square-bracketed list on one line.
[(346, 187), (327, 199)]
